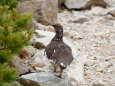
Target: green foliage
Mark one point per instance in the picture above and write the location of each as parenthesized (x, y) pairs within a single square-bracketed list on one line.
[(12, 27), (5, 56), (7, 73), (11, 3), (13, 37)]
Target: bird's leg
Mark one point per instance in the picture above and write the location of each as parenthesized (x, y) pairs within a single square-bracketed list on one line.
[(61, 71), (55, 67)]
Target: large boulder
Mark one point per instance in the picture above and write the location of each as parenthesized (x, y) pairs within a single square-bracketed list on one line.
[(20, 66), (44, 11), (84, 4), (22, 61), (43, 79)]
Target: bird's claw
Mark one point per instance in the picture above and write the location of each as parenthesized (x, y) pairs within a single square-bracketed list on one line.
[(59, 75)]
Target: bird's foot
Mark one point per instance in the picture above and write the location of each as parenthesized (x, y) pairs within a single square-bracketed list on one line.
[(59, 75), (55, 71)]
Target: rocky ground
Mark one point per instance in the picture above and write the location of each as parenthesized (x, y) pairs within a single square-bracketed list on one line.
[(93, 34), (89, 32)]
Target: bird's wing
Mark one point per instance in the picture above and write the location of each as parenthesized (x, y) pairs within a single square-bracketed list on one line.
[(63, 54), (49, 50)]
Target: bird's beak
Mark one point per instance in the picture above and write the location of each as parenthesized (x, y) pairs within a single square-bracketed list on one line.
[(53, 28), (53, 25)]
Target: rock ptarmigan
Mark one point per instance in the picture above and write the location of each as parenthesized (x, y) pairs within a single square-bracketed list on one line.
[(58, 51)]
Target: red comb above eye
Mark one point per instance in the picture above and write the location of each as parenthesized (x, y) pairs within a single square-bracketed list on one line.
[(57, 25)]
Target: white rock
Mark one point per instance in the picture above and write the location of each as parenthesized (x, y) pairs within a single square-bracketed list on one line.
[(83, 4)]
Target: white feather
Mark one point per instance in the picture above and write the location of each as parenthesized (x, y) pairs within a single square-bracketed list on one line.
[(62, 64), (54, 51)]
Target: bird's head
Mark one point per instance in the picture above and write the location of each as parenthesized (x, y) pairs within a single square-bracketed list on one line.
[(58, 28), (59, 31)]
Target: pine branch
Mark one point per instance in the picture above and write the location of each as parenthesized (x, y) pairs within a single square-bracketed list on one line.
[(14, 46)]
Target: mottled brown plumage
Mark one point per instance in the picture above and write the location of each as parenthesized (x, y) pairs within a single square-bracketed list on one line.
[(58, 51)]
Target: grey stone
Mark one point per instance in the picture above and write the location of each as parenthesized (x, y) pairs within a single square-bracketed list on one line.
[(39, 45), (98, 84), (46, 79), (27, 82), (44, 11), (84, 4), (81, 20), (20, 67), (112, 12)]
